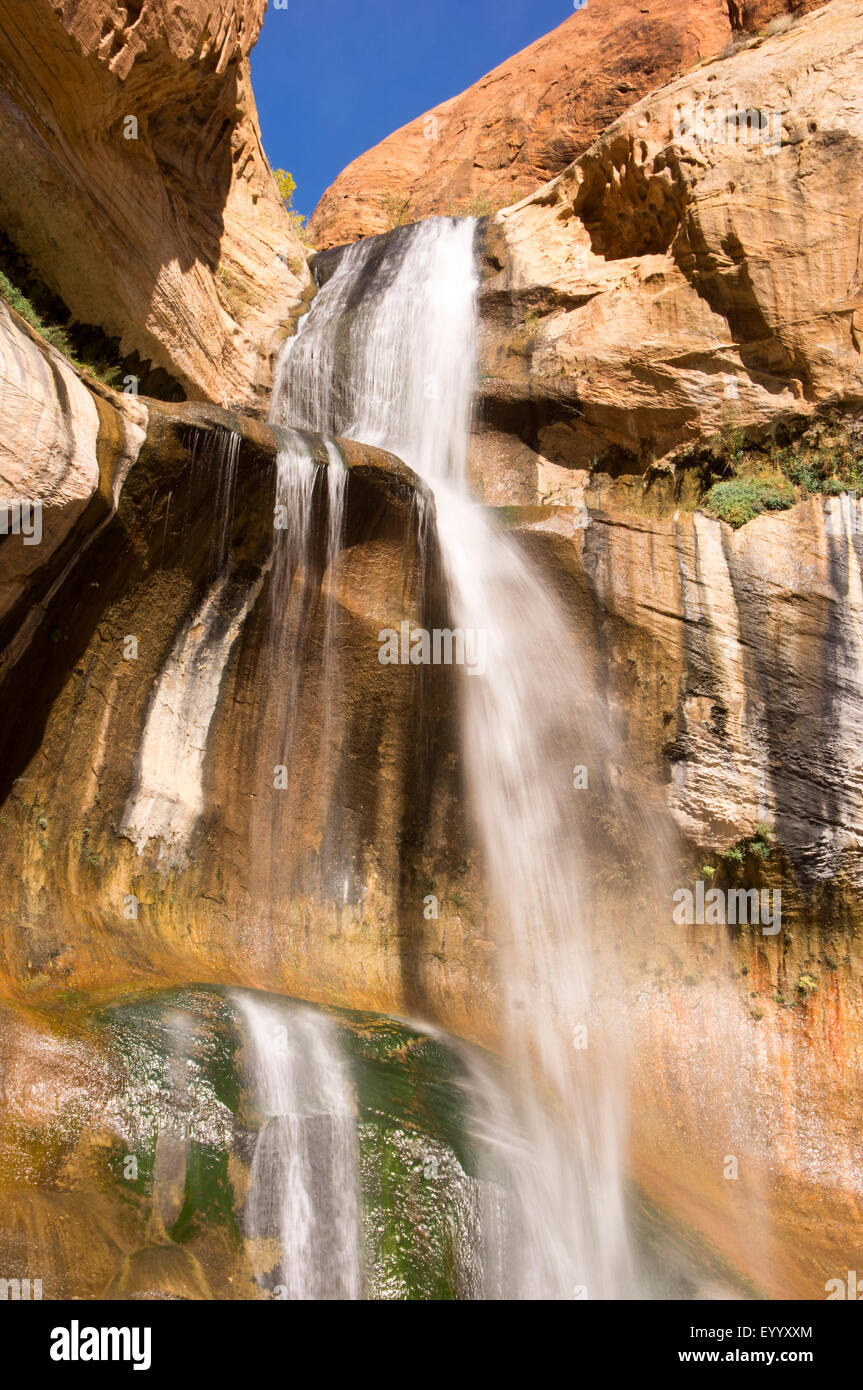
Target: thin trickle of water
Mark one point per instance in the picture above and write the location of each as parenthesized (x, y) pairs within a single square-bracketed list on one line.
[(337, 484), (387, 355), (229, 458), (303, 574), (302, 1214), (291, 584), (217, 449), (295, 484)]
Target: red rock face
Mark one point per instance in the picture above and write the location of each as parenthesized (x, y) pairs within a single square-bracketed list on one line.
[(214, 32), (527, 120)]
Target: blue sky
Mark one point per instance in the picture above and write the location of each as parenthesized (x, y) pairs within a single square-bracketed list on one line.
[(333, 77)]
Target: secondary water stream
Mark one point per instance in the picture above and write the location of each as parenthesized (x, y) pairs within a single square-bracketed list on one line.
[(302, 1213)]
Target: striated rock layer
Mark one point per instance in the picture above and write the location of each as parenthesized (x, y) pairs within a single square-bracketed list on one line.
[(525, 121), (133, 180)]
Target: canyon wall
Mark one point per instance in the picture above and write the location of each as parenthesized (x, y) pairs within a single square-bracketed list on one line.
[(134, 184), (690, 273)]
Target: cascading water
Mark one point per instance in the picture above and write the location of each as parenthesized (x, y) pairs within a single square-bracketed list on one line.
[(387, 353), (297, 475), (337, 483), (387, 356), (302, 1212)]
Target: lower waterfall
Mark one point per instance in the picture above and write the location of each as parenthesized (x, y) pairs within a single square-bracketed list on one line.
[(302, 1212)]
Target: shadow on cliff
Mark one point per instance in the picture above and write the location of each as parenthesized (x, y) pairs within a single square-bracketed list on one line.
[(140, 193)]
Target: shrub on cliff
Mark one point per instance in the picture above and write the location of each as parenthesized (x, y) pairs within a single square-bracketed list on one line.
[(102, 370), (396, 207), (739, 500), (827, 460)]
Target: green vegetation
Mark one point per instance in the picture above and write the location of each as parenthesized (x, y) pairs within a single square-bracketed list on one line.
[(806, 985), (756, 847), (759, 845), (780, 25), (86, 346), (287, 186), (742, 479), (479, 205), (241, 298), (828, 470), (100, 368), (396, 206), (734, 855), (742, 499)]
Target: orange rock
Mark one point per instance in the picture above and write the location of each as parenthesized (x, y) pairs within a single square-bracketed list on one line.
[(528, 119)]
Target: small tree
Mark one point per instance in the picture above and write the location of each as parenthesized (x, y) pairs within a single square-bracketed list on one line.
[(287, 186)]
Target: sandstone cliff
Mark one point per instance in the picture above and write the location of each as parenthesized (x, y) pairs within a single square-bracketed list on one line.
[(696, 269), (133, 181), (530, 117)]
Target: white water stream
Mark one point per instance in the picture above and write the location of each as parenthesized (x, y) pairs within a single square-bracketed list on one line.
[(387, 356), (302, 1213)]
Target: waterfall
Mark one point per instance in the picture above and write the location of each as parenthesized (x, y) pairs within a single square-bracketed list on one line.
[(387, 355), (302, 1213), (337, 484)]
